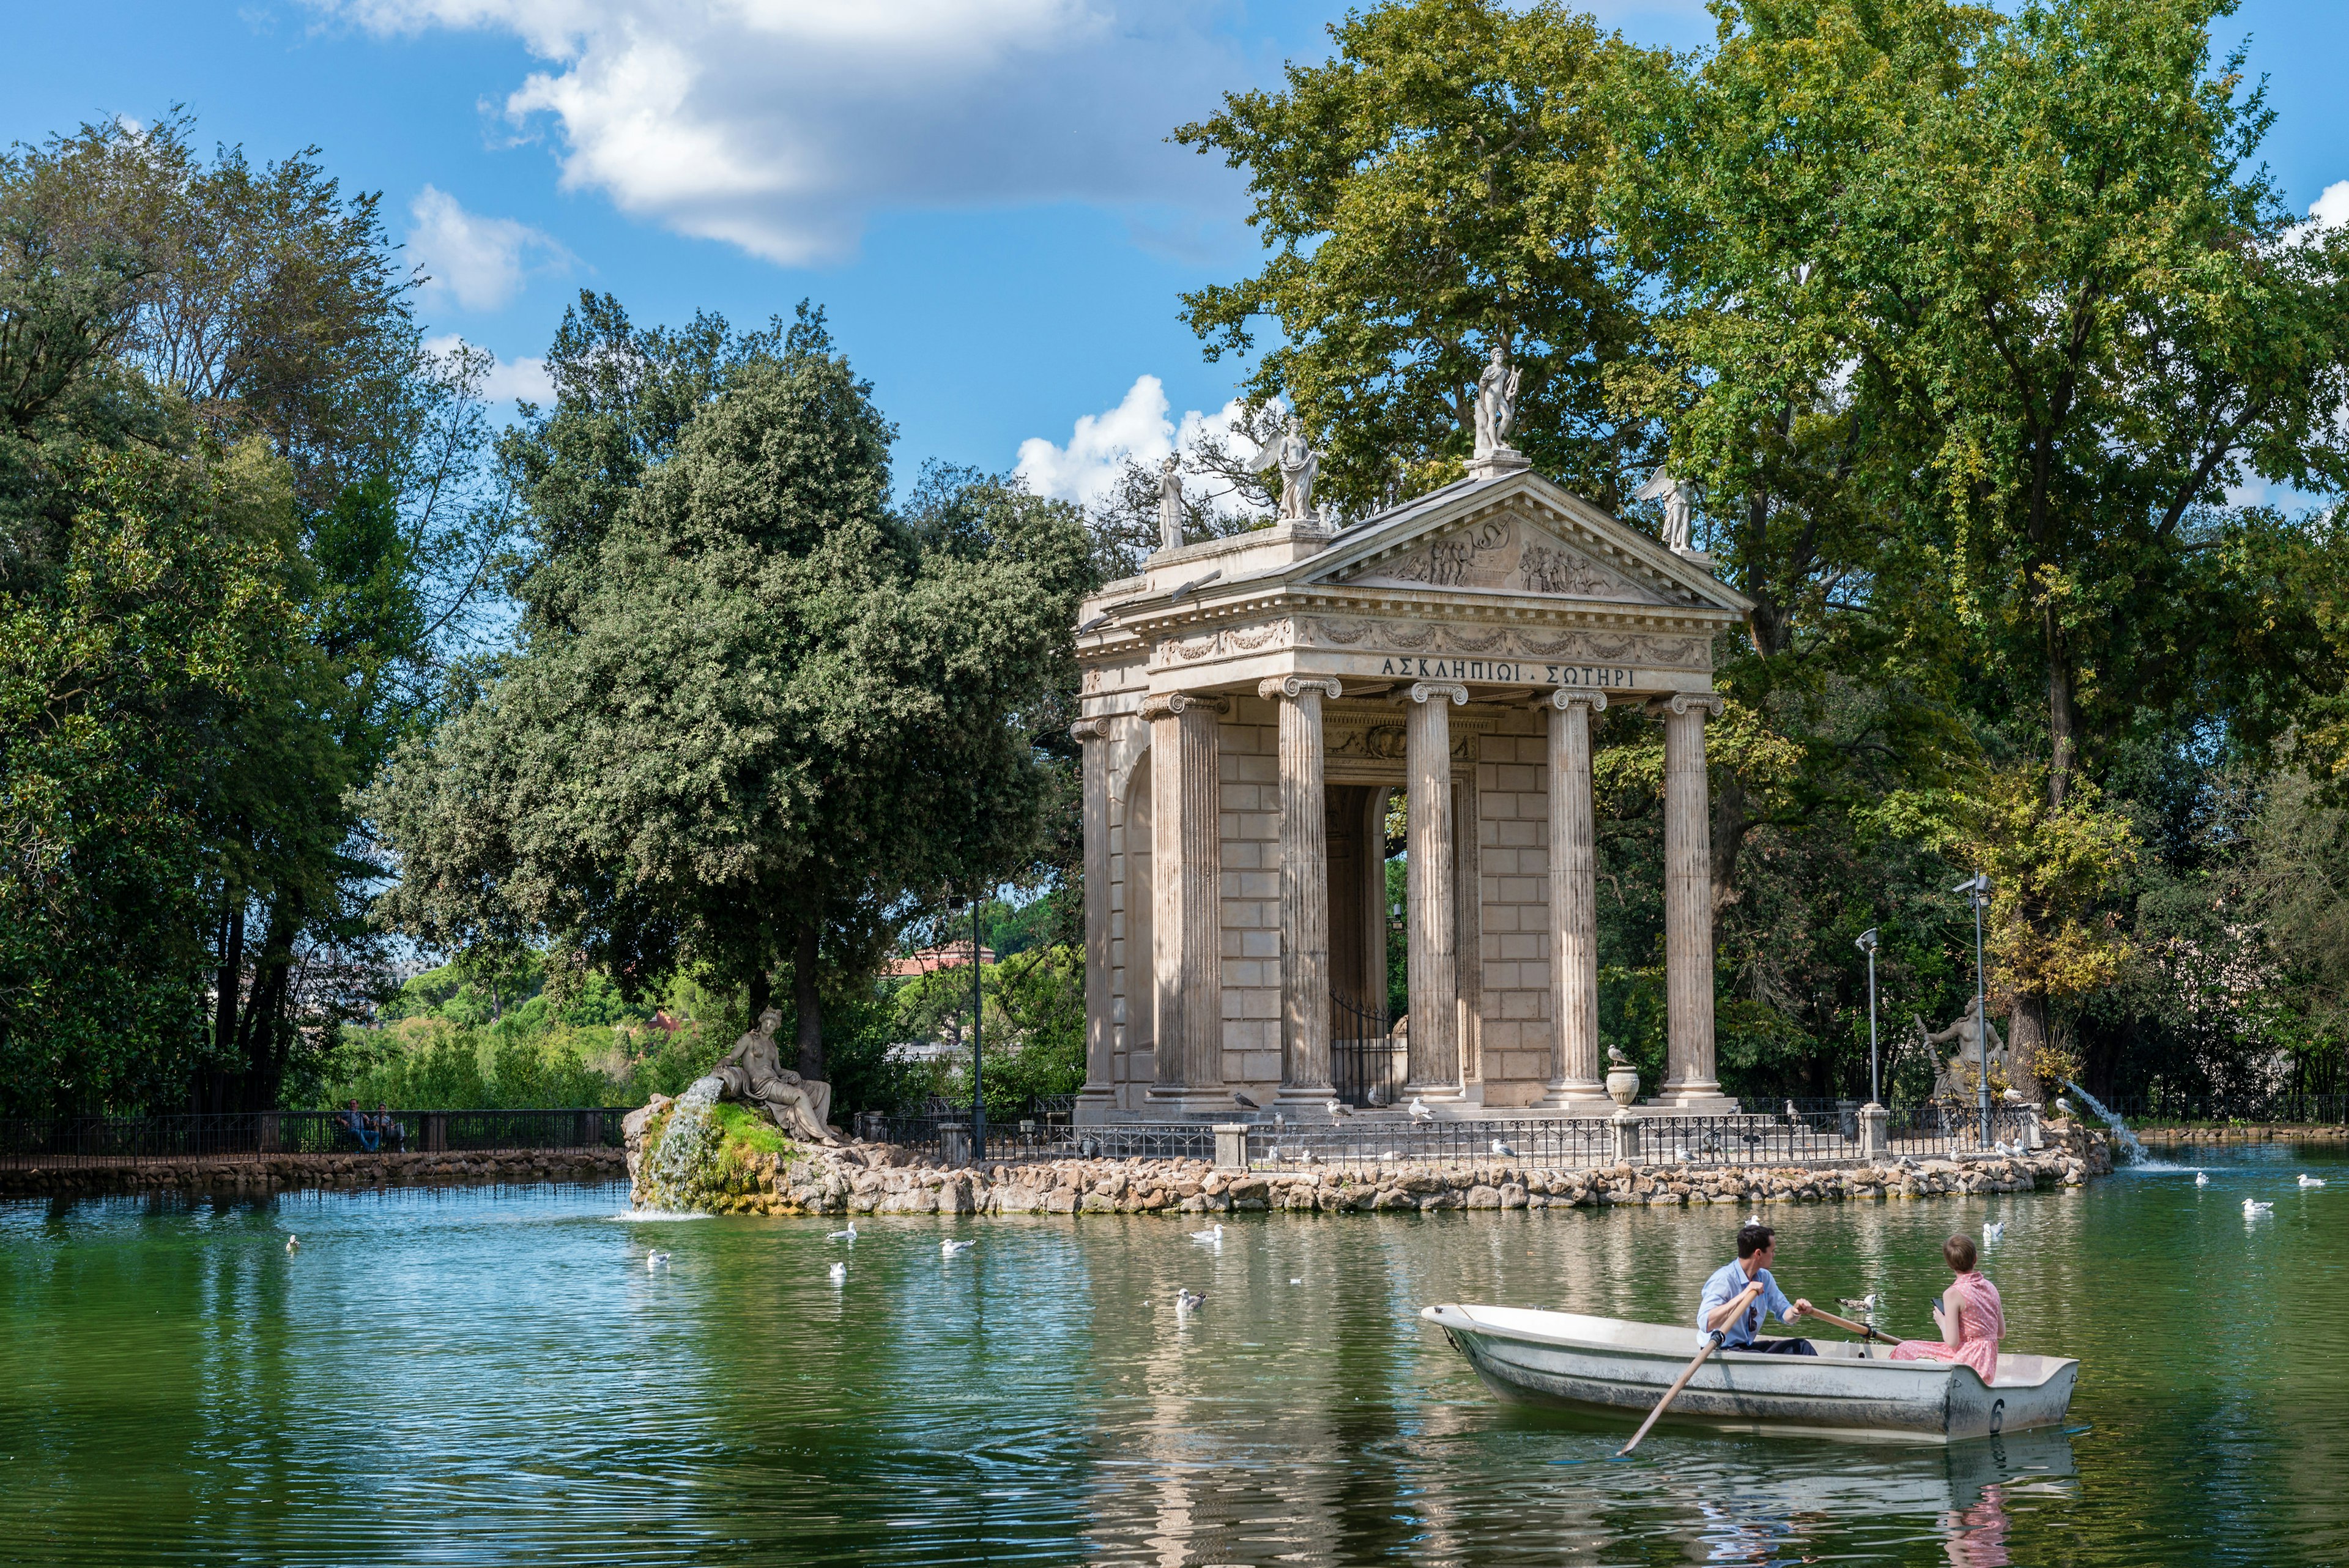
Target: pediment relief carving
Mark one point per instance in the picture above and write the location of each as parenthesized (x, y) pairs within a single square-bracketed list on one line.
[(1507, 553)]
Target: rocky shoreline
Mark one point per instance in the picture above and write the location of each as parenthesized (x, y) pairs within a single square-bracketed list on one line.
[(880, 1178)]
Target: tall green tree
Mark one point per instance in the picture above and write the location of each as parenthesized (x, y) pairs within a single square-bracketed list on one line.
[(1432, 191), (767, 709)]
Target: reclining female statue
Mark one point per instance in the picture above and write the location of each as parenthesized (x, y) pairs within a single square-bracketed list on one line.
[(753, 1072)]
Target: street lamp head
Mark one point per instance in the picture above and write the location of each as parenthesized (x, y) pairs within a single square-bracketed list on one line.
[(1866, 942)]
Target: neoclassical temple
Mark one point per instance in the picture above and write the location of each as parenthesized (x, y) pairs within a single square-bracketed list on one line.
[(1250, 706)]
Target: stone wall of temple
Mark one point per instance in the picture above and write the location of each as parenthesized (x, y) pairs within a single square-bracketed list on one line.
[(1512, 866), (1251, 896)]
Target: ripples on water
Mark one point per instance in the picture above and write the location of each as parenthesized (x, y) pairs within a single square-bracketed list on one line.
[(495, 1376)]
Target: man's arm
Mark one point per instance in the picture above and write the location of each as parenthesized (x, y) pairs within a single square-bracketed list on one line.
[(1730, 1311)]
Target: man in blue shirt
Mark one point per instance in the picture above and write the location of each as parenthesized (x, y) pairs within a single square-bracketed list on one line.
[(1740, 1295)]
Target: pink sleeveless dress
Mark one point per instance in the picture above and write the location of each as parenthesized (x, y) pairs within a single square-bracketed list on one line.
[(1981, 1324)]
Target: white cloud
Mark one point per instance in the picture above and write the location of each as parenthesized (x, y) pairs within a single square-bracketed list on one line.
[(781, 126), (2331, 210), (506, 381), (479, 262), (1086, 470)]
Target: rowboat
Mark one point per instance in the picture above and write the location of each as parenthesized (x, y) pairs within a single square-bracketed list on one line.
[(1847, 1390)]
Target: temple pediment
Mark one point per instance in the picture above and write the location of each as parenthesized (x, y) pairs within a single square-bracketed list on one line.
[(1504, 551)]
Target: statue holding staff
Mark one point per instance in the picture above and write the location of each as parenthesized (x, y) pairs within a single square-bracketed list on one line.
[(1170, 503)]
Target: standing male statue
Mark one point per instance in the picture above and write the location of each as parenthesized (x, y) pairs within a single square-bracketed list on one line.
[(1496, 404), (753, 1072), (1170, 504), (1299, 465), (1679, 505)]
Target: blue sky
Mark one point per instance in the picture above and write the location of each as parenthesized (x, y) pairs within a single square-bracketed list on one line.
[(977, 191)]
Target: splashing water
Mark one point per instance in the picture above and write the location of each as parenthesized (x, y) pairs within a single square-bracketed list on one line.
[(2132, 1151), (687, 1144)]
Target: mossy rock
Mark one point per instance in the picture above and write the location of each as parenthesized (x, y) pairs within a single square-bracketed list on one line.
[(726, 1178)]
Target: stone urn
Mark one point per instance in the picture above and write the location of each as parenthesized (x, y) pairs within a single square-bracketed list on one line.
[(1623, 1083)]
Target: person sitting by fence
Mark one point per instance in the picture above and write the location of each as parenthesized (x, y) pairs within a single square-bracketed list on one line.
[(359, 1124), (388, 1129), (1971, 1318)]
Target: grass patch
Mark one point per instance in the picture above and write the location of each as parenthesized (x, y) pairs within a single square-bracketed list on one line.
[(747, 1130)]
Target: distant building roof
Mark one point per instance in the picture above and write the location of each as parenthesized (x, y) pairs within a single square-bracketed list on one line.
[(930, 960)]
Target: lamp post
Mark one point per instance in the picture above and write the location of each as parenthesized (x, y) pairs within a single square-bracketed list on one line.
[(1867, 944), (1977, 889)]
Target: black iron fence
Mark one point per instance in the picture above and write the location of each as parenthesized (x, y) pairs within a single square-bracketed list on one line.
[(2177, 1108), (1368, 1065), (63, 1141)]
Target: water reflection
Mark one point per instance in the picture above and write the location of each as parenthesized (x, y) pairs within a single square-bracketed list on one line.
[(497, 1377)]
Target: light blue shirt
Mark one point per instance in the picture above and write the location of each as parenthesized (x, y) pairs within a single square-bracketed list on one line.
[(1727, 1283)]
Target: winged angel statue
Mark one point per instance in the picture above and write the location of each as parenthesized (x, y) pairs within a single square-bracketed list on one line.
[(1299, 465)]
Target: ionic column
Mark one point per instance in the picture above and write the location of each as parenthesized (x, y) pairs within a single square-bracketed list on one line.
[(1687, 901), (1304, 889), (1098, 1096), (1186, 865), (1574, 1079), (1434, 1063)]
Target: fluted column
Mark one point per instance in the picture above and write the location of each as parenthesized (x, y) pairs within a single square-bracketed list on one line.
[(1687, 901), (1434, 1064), (1098, 1096), (1575, 1079), (1304, 889), (1186, 865)]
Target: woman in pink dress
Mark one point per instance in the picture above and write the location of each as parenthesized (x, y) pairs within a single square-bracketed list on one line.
[(1970, 1316)]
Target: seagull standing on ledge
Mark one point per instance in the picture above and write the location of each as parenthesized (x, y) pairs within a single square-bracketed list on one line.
[(1418, 1111), (1504, 1151), (1244, 1102), (1337, 1109)]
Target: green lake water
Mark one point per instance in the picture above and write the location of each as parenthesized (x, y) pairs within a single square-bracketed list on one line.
[(497, 1377)]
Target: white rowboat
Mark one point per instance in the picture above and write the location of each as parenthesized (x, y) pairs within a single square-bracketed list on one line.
[(1847, 1390)]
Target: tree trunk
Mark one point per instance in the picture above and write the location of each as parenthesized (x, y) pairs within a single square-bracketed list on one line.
[(2062, 720), (2026, 1031), (762, 993), (811, 1011), (229, 979)]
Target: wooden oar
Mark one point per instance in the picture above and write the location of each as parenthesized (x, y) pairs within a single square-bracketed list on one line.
[(1711, 1343), (1859, 1328)]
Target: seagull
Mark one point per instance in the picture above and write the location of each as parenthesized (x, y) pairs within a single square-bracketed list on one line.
[(948, 1248), (1390, 1154), (1865, 1304), (1296, 1282), (1506, 1152), (839, 1272), (847, 1235), (1755, 1219), (2252, 1206), (293, 1243), (2201, 1178), (654, 1260), (1214, 1237), (1188, 1300), (1680, 1154), (2308, 1180), (1793, 1116), (1418, 1111), (1243, 1101), (1992, 1232), (1337, 1109)]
